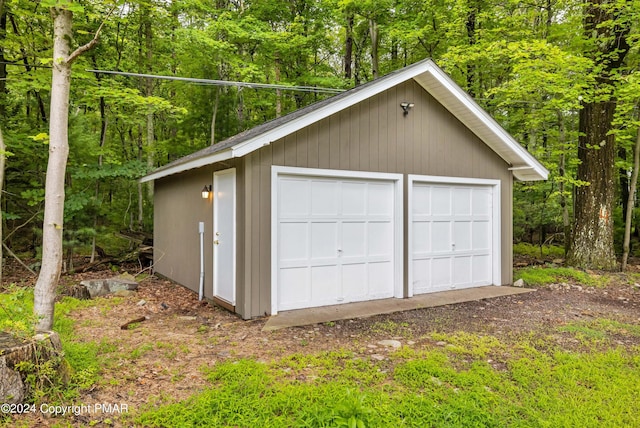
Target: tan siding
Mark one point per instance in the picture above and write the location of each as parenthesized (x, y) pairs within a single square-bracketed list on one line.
[(178, 208)]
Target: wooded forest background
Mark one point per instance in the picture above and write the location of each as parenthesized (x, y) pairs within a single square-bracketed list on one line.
[(550, 71)]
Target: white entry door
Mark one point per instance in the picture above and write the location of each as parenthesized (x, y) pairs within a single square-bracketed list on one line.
[(454, 236), (224, 235), (336, 240)]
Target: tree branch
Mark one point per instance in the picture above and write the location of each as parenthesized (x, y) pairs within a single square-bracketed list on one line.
[(88, 46)]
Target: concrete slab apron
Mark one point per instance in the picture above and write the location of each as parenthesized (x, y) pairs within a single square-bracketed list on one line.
[(323, 314)]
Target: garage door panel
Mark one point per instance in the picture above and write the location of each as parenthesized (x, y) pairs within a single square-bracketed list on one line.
[(421, 200), (354, 239), (298, 202), (323, 200), (354, 281), (461, 201), (461, 271), (481, 270), (441, 272), (380, 275), (422, 237), (421, 275), (293, 249), (325, 284), (379, 195), (295, 287), (440, 201), (324, 240), (354, 199), (380, 242), (481, 235), (440, 236), (462, 235), (481, 202)]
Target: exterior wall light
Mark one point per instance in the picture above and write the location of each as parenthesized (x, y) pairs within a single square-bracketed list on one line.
[(206, 190), (406, 107)]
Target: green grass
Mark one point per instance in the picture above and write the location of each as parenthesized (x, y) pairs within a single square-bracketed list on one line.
[(526, 249), (534, 386), (542, 275), (84, 360)]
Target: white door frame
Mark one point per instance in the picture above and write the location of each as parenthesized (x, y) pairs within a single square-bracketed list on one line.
[(398, 219), (496, 246), (217, 201)]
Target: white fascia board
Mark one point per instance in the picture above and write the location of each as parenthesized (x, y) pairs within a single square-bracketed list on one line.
[(193, 164), (269, 137), (517, 153)]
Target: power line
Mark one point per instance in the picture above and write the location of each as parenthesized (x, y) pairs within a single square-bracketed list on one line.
[(225, 82)]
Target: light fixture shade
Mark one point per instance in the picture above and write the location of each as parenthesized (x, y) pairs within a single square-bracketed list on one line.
[(205, 192)]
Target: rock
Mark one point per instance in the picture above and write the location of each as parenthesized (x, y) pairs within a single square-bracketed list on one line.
[(519, 283), (390, 343), (558, 261), (141, 302), (102, 287), (378, 357)]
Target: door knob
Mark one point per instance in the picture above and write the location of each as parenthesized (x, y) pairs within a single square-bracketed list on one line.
[(216, 242)]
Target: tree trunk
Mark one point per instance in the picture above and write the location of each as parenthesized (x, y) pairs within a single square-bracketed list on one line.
[(348, 46), (45, 288), (630, 203), (592, 238), (3, 61), (592, 243), (2, 165), (44, 293), (375, 43)]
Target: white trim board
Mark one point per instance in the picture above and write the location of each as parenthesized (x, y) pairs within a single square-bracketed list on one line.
[(277, 171), (496, 235)]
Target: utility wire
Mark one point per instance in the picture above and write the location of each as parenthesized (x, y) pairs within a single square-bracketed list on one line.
[(225, 82)]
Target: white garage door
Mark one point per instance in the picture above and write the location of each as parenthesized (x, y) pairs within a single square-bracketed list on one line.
[(453, 235), (335, 240)]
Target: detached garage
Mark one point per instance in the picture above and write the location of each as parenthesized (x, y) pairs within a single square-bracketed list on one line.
[(398, 187)]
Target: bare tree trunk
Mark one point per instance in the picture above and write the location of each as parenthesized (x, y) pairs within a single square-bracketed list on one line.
[(2, 165), (45, 289), (278, 91), (44, 294), (630, 203)]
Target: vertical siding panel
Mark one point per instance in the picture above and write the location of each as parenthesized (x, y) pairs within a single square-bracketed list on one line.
[(324, 144), (240, 233), (243, 297), (278, 152), (425, 123), (264, 294), (256, 212), (383, 132), (373, 133), (403, 123), (334, 141), (290, 152), (361, 132), (313, 153), (390, 135), (345, 143), (302, 146)]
